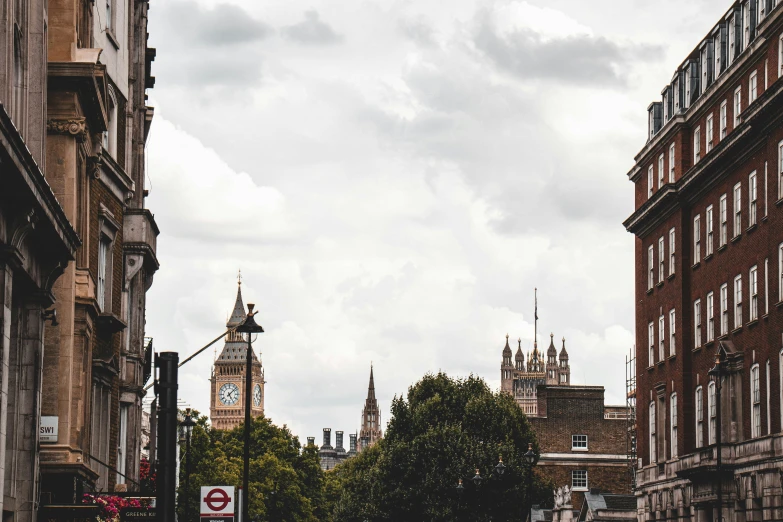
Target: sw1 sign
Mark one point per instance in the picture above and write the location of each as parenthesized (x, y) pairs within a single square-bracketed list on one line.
[(48, 429), (217, 504)]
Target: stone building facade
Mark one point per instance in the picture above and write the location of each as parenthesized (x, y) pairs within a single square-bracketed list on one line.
[(37, 242), (227, 398), (370, 432), (74, 122), (581, 440), (708, 229), (522, 378)]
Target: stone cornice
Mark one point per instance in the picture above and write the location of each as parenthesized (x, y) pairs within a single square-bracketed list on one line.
[(76, 127), (89, 80)]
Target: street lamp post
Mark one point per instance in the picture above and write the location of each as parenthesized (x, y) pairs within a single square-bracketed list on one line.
[(530, 458), (716, 374), (249, 327), (188, 424), (477, 479)]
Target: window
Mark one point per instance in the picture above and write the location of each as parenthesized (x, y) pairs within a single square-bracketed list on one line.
[(710, 133), (780, 384), (737, 209), (103, 254), (673, 423), (737, 106), (713, 411), (122, 449), (710, 317), (753, 89), (723, 119), (697, 323), (780, 60), (780, 273), (671, 251), (661, 261), (651, 343), (780, 170), (650, 182), (710, 233), (755, 402), (746, 22), (579, 442), (579, 480), (732, 39), (660, 171), (696, 145), (697, 239), (672, 330), (699, 417), (724, 226), (754, 293), (724, 309), (652, 433), (651, 265), (671, 162), (661, 338), (738, 301), (752, 197), (109, 14)]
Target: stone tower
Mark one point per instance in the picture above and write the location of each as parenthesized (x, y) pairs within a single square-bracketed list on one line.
[(551, 361), (564, 370), (371, 418), (227, 401), (507, 370)]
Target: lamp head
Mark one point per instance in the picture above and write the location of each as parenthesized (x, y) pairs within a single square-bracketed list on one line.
[(477, 478)]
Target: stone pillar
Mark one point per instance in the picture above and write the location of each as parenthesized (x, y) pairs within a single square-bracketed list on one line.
[(6, 287), (28, 360)]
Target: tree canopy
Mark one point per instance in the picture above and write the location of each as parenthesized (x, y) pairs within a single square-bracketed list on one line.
[(444, 431)]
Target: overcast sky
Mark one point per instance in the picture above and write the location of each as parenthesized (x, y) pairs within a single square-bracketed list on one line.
[(394, 178)]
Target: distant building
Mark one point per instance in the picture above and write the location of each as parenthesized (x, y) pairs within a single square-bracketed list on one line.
[(522, 379), (606, 507), (582, 441), (227, 400), (371, 418)]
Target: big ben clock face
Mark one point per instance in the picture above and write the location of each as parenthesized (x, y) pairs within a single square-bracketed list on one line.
[(229, 394), (257, 395)]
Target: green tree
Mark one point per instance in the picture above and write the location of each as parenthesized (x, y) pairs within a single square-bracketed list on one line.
[(286, 481), (444, 431)]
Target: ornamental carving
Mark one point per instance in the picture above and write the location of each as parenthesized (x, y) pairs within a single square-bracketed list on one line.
[(76, 127)]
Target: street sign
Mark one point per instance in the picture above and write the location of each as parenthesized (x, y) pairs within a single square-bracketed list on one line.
[(217, 504), (48, 429), (131, 514)]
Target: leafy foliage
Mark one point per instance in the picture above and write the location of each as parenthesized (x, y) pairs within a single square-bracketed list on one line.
[(285, 483), (444, 431)]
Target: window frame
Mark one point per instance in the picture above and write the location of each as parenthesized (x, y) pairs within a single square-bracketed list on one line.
[(661, 173), (696, 239), (738, 301), (651, 264), (661, 260), (650, 182), (753, 81), (737, 210), (697, 144), (662, 337), (710, 316), (697, 323), (673, 423), (737, 106), (724, 119), (755, 401), (723, 212), (576, 440), (672, 251), (580, 479), (709, 219), (712, 412), (672, 163), (653, 438), (709, 132), (752, 198), (699, 416), (651, 343), (672, 332), (724, 309), (753, 290)]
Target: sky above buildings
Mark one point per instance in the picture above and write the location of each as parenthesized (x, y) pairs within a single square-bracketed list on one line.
[(394, 178)]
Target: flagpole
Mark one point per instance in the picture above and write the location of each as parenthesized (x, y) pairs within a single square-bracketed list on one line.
[(535, 315)]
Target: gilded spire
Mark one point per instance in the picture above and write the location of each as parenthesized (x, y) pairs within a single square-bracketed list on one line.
[(371, 387)]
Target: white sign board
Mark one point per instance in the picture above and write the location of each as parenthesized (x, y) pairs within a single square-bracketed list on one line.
[(48, 430), (217, 501)]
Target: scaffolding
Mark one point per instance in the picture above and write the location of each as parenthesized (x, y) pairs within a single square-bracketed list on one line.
[(630, 404)]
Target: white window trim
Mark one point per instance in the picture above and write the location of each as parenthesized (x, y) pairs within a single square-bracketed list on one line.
[(651, 342), (710, 131), (650, 181), (710, 222), (724, 309), (673, 423), (672, 163), (755, 401), (672, 250), (710, 316), (697, 239), (753, 291), (738, 301), (753, 90), (699, 416), (662, 338), (697, 323), (661, 260), (575, 447), (737, 106), (780, 170), (752, 198), (661, 173), (723, 216), (672, 332), (711, 429), (724, 119), (737, 209), (696, 145), (652, 426), (651, 271), (574, 487)]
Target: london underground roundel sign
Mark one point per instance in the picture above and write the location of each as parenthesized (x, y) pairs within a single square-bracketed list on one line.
[(217, 501)]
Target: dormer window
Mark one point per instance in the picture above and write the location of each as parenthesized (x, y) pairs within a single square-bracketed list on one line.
[(706, 64), (746, 23)]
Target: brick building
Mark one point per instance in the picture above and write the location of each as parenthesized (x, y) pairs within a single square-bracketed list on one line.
[(709, 277), (73, 76), (581, 440)]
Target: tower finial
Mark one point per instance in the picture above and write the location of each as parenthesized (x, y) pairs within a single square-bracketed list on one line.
[(239, 277)]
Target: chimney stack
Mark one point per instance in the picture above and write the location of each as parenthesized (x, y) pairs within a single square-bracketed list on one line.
[(327, 438), (311, 441), (339, 442)]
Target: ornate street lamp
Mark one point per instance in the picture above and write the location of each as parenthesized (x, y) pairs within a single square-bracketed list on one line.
[(530, 457), (716, 375), (249, 327), (188, 424)]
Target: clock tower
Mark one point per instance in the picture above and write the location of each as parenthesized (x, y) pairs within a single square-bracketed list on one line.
[(227, 402)]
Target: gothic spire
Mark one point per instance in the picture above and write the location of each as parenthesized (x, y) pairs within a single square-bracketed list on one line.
[(371, 387), (238, 315)]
